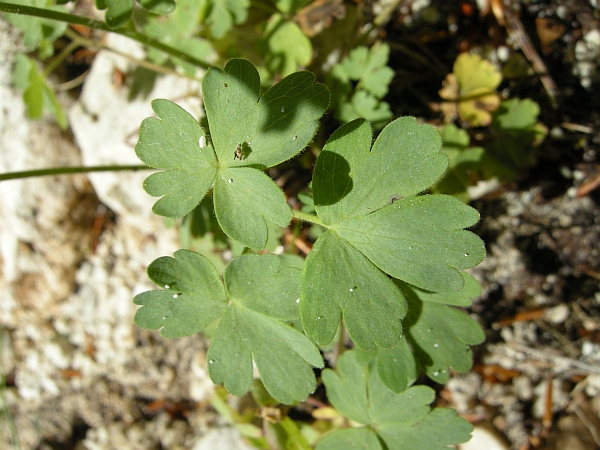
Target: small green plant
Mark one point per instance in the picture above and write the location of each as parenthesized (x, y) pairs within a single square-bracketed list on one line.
[(383, 285), (387, 269), (358, 84), (514, 130)]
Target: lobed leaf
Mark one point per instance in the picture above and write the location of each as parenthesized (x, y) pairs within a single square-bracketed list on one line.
[(274, 127), (352, 180), (224, 13), (193, 298), (263, 295), (369, 66), (392, 420), (259, 298), (360, 194), (247, 132), (245, 199), (338, 281), (419, 240), (440, 335), (286, 47), (174, 141)]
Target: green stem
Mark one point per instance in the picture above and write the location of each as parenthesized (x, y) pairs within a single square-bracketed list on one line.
[(60, 58), (308, 218), (67, 170), (91, 23), (90, 43)]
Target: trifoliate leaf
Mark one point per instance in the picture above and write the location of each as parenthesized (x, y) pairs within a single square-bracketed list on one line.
[(391, 420), (38, 33), (286, 47), (440, 335), (360, 194), (224, 13), (259, 299), (193, 298), (248, 132)]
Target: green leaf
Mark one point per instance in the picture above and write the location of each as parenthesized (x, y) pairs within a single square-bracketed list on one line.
[(286, 47), (178, 30), (39, 33), (180, 23), (37, 95), (245, 199), (473, 85), (419, 240), (224, 13), (398, 420), (158, 6), (359, 192), (274, 127), (193, 298), (369, 67), (399, 367), (440, 335), (259, 300), (517, 132), (352, 180), (396, 366), (172, 141), (263, 297), (117, 11), (267, 129), (340, 281), (366, 106)]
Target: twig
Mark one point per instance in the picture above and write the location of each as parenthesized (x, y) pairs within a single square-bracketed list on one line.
[(517, 32), (554, 359)]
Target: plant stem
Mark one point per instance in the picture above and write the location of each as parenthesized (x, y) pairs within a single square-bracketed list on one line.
[(308, 218), (90, 43), (91, 23), (60, 58), (68, 170)]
